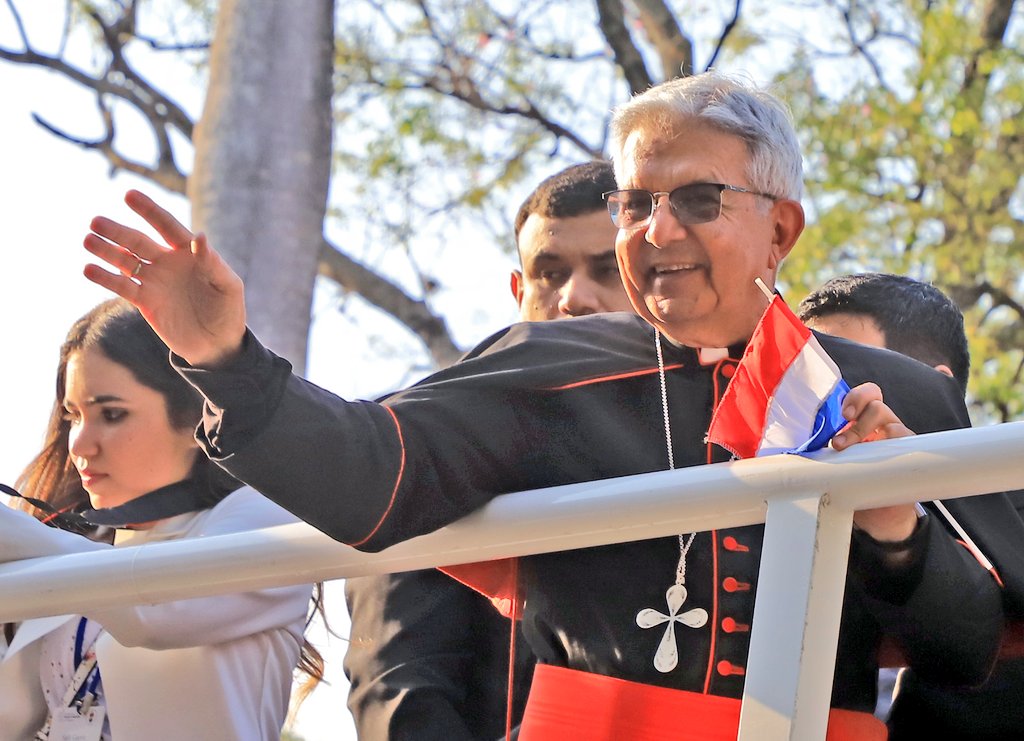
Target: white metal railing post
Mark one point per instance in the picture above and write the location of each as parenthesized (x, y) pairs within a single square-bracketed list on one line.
[(795, 629)]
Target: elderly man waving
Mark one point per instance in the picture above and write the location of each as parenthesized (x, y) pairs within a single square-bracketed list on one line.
[(709, 172)]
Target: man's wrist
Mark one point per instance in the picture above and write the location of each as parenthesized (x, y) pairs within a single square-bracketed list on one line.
[(888, 524), (219, 358)]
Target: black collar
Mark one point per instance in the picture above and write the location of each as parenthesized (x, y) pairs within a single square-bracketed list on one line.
[(167, 501)]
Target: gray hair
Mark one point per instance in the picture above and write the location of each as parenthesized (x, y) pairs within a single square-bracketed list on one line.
[(727, 105)]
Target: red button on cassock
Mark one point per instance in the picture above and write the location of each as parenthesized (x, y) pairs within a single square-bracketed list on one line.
[(731, 626), (731, 544), (730, 584), (727, 668)]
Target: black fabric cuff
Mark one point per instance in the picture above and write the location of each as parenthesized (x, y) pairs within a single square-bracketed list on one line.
[(890, 571), (240, 396)]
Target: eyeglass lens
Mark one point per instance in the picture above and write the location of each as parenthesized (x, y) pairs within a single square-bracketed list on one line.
[(695, 203)]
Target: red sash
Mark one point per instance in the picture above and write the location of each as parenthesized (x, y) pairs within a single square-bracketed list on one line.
[(566, 704)]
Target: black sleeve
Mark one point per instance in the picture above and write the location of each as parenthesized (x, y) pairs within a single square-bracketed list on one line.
[(929, 593), (1017, 500), (428, 659), (294, 441), (995, 524), (425, 456), (944, 609)]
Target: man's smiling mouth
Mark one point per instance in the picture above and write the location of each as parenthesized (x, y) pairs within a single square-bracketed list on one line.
[(674, 268)]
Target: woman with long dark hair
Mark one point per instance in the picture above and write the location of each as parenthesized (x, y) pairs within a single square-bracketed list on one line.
[(120, 464)]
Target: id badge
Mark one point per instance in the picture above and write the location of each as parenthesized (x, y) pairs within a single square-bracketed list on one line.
[(69, 725)]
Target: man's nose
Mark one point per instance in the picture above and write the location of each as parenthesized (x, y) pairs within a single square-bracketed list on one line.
[(578, 297), (664, 227)]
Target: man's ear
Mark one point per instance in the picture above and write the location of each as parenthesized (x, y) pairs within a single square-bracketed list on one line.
[(943, 368), (789, 223), (516, 284)]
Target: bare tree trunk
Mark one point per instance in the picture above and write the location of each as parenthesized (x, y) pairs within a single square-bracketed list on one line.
[(263, 158)]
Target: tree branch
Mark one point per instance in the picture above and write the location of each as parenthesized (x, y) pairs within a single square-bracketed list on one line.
[(993, 30), (155, 105), (725, 34), (612, 23), (31, 57), (997, 19), (18, 22), (1001, 298), (860, 46), (385, 295), (675, 49), (167, 175), (157, 45), (471, 96)]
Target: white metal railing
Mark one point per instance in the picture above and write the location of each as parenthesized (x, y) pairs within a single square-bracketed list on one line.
[(806, 504)]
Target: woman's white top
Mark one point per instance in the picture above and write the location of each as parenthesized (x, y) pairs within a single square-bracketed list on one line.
[(206, 668)]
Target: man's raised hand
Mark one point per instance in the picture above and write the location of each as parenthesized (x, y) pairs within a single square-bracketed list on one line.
[(186, 291)]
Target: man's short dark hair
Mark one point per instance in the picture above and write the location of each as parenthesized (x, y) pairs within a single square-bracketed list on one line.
[(575, 191), (916, 318)]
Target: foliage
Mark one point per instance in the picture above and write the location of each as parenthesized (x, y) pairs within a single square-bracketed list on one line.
[(917, 170), (445, 110)]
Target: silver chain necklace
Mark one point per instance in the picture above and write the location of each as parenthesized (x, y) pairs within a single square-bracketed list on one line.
[(667, 656)]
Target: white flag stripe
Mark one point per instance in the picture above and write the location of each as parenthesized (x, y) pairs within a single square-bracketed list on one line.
[(808, 381)]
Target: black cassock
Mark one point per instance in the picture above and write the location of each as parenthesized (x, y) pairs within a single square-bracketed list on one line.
[(541, 404)]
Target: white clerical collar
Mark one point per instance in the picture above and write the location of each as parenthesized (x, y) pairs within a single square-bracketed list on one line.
[(711, 355)]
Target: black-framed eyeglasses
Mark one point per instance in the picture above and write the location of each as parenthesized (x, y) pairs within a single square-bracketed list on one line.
[(696, 203)]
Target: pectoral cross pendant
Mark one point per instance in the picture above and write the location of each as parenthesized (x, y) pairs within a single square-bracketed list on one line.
[(667, 656)]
